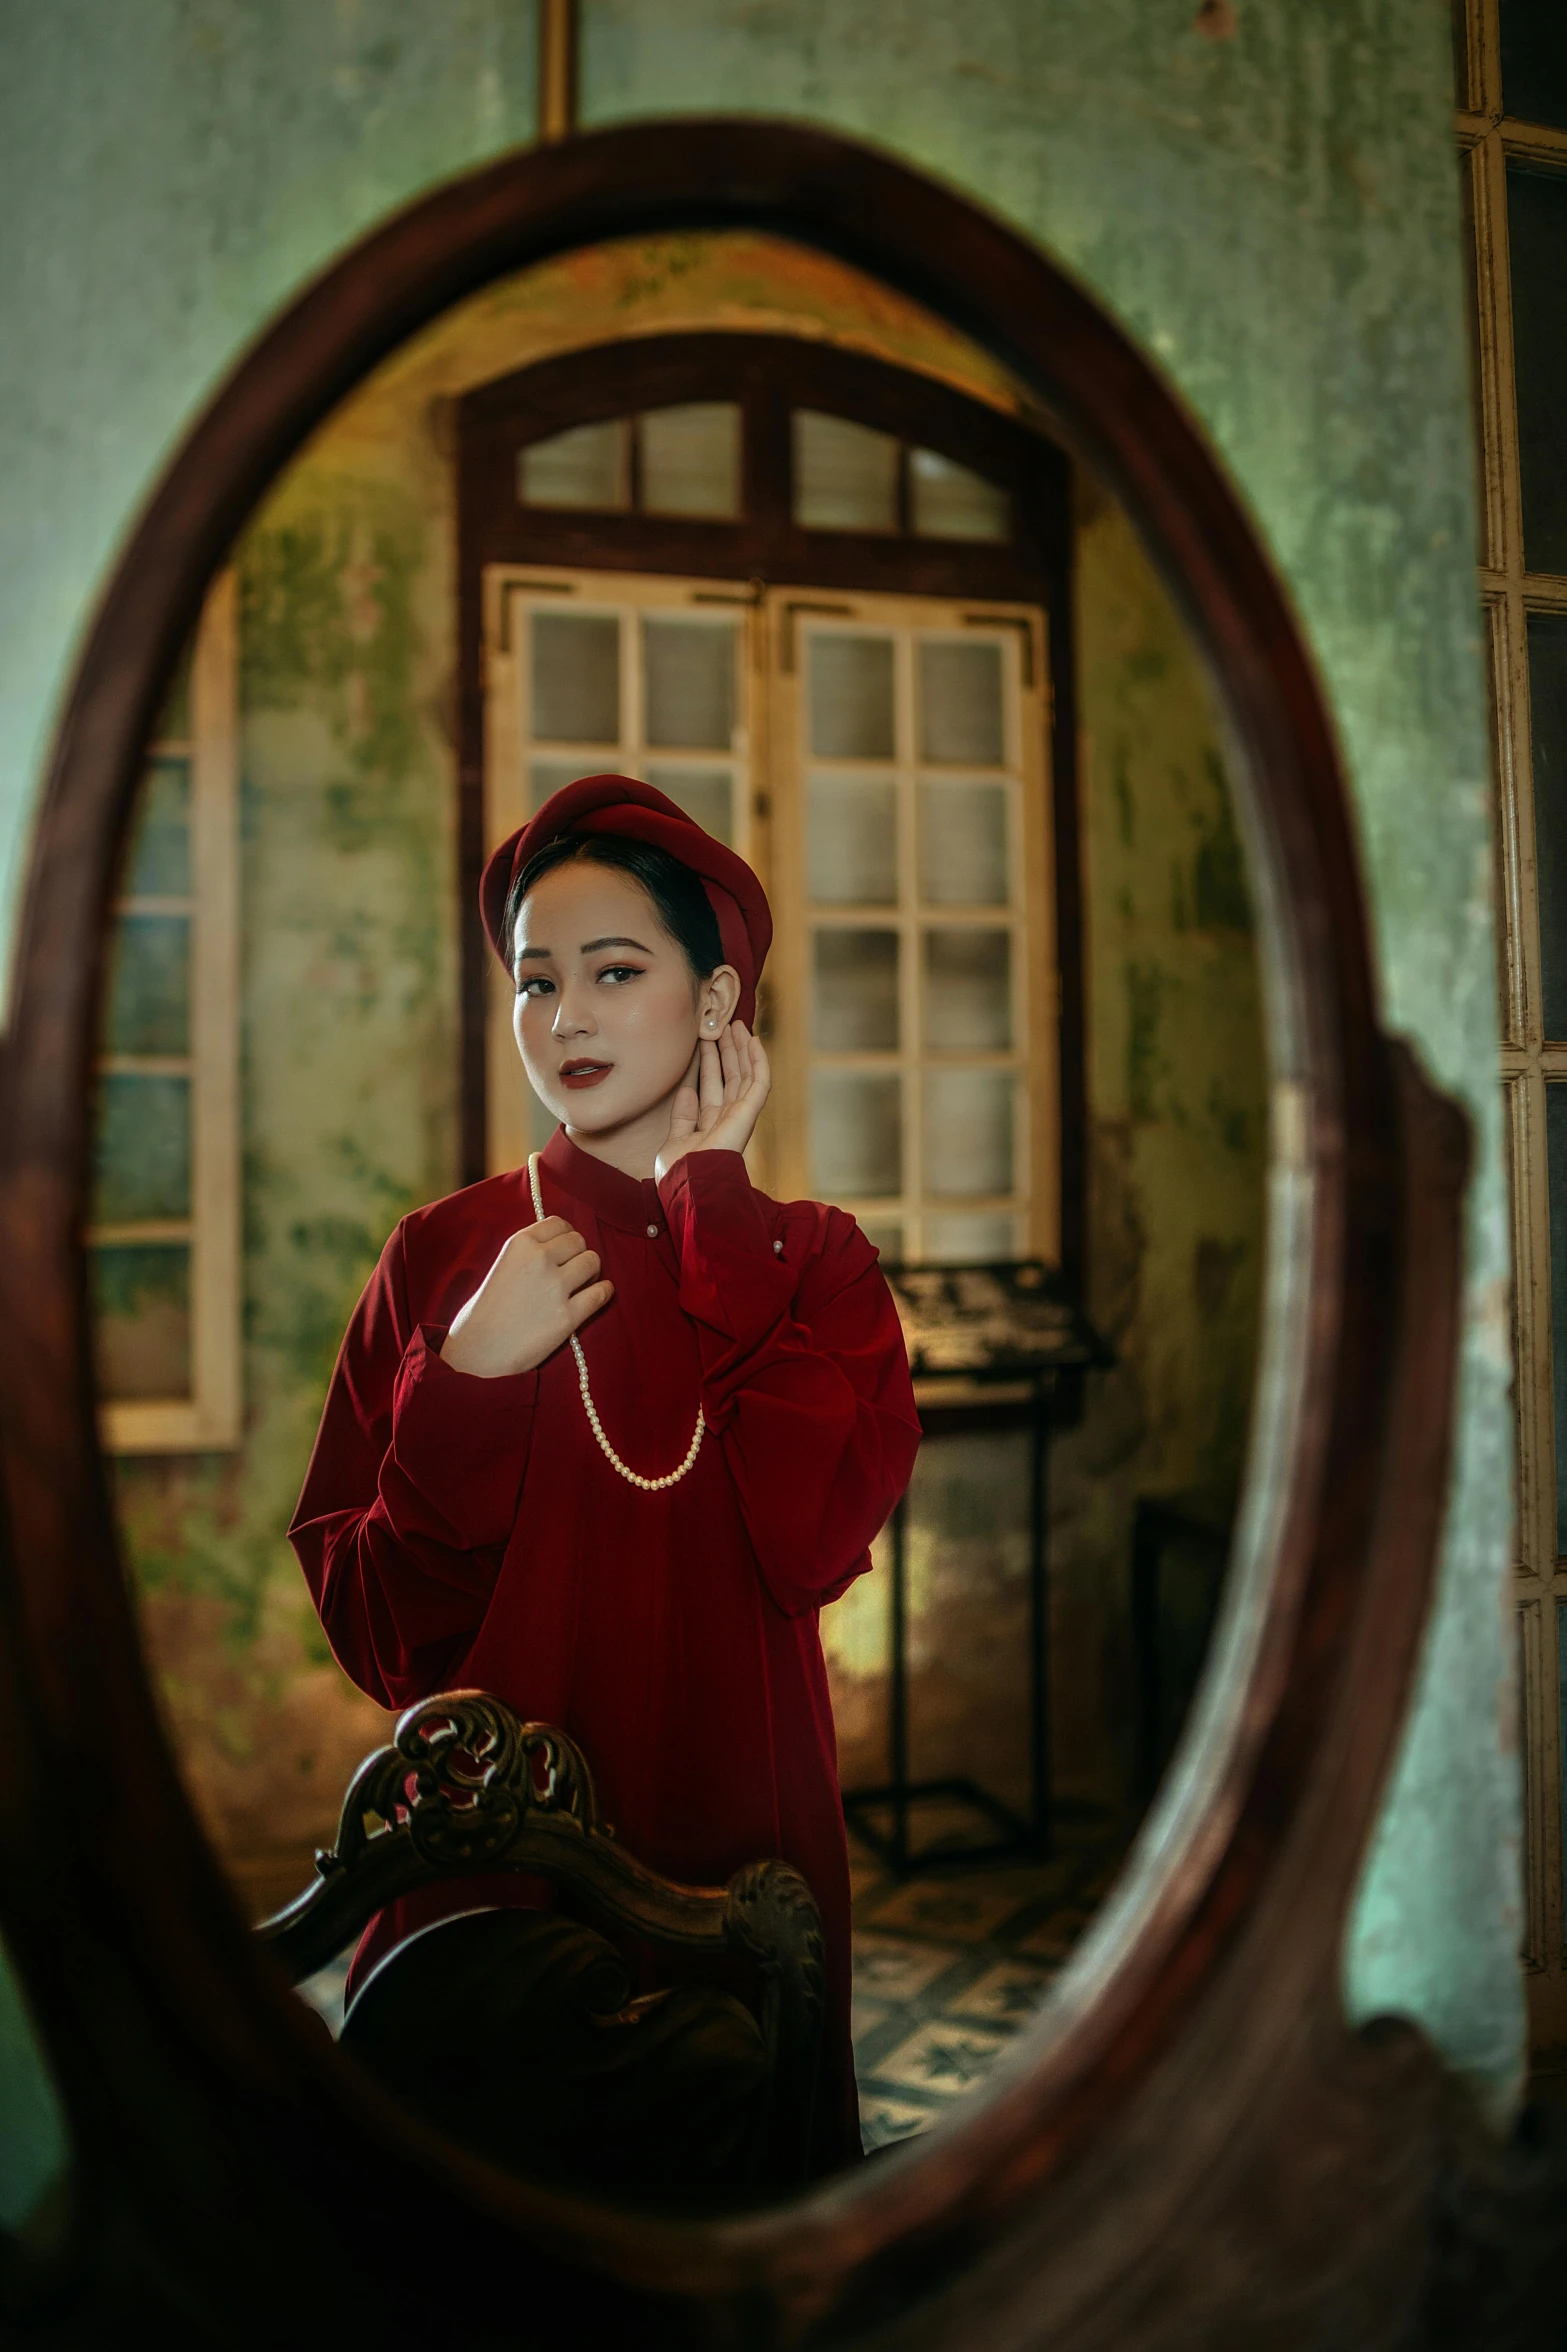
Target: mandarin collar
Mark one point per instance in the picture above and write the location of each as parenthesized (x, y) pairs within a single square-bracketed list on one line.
[(630, 1202)]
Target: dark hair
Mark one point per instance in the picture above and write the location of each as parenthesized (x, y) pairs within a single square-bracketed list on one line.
[(683, 905)]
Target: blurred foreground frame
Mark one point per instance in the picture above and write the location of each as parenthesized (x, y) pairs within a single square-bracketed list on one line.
[(1189, 2146)]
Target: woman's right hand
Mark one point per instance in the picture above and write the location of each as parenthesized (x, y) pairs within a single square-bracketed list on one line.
[(542, 1288)]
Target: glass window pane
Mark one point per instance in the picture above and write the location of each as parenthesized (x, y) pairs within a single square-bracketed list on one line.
[(1534, 61), (1556, 1177), (706, 795), (968, 991), (960, 702), (1537, 230), (143, 1149), (885, 1235), (968, 1131), (854, 1002), (851, 696), (1548, 732), (1469, 168), (589, 466), (983, 1238), (691, 459), (149, 986), (851, 834), (949, 502), (158, 865), (690, 683), (576, 677), (856, 1135), (546, 777), (845, 475), (963, 844), (141, 1309)]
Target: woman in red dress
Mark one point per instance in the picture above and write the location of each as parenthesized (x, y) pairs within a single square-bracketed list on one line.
[(607, 1432)]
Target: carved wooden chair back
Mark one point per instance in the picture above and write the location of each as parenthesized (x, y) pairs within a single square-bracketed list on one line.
[(465, 1787)]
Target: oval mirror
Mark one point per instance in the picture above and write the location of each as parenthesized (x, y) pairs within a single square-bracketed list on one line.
[(1066, 1017)]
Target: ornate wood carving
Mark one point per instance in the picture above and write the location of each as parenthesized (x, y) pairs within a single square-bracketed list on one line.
[(1188, 2148), (466, 1787)]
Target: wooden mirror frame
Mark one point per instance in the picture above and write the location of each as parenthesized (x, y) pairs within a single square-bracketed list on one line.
[(1189, 2128)]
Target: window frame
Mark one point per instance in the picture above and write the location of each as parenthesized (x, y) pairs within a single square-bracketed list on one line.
[(511, 594), (772, 630), (1026, 916), (209, 1418), (1490, 142), (769, 376)]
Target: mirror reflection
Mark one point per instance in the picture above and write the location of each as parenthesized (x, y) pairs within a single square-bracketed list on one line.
[(734, 523)]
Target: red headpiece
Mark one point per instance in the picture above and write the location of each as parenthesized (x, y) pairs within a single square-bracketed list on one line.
[(619, 804)]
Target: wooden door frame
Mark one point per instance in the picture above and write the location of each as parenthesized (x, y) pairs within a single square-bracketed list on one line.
[(1188, 2140)]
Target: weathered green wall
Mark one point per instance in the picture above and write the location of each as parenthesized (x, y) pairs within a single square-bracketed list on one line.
[(1272, 211)]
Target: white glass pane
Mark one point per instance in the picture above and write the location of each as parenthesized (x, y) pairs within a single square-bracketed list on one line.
[(979, 1239), (960, 702), (706, 794), (689, 673), (576, 677), (949, 502), (589, 466), (845, 475), (851, 696), (691, 459), (546, 777), (968, 1131), (854, 997), (968, 991), (851, 833), (886, 1235), (856, 1135), (963, 844)]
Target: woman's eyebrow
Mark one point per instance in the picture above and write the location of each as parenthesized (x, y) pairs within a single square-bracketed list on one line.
[(523, 952), (591, 946)]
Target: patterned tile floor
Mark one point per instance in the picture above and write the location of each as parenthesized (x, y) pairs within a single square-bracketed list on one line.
[(949, 1964)]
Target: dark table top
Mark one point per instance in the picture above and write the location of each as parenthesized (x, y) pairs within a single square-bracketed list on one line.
[(1004, 1323)]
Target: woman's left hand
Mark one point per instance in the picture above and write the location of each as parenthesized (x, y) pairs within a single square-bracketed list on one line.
[(720, 1112)]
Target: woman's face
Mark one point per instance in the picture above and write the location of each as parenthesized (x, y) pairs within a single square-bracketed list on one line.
[(608, 1013)]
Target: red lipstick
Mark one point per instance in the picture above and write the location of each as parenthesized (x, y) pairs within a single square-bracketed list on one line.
[(584, 1073)]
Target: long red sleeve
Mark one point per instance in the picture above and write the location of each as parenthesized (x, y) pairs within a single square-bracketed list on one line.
[(804, 1376), (410, 1496)]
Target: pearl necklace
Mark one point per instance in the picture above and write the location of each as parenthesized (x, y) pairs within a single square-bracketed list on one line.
[(632, 1477)]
